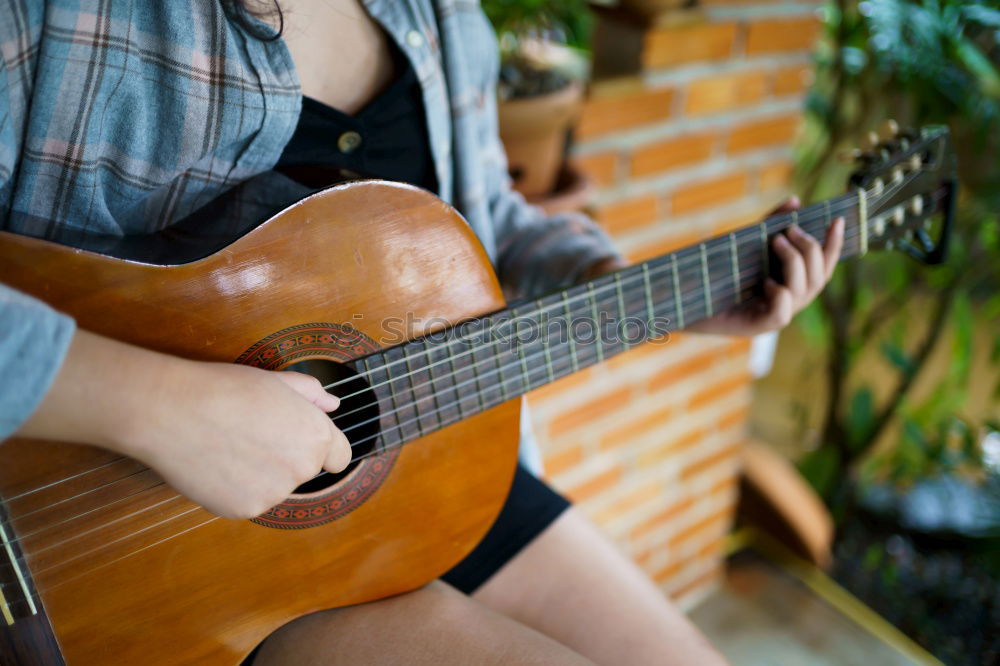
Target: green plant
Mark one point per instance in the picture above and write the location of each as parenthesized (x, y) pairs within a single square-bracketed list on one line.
[(919, 62), (543, 44)]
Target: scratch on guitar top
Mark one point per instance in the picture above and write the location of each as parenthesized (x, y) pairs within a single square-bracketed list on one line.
[(358, 259)]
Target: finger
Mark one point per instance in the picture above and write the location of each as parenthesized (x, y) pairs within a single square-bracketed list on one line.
[(811, 251), (832, 246), (792, 265), (311, 389), (339, 455), (788, 205), (779, 306)]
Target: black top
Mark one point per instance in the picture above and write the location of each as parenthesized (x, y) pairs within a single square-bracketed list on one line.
[(387, 139)]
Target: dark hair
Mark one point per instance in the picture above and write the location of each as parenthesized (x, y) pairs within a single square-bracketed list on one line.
[(242, 11)]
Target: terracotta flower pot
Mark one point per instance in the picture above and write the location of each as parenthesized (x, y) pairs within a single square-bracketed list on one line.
[(533, 131), (649, 8), (571, 193)]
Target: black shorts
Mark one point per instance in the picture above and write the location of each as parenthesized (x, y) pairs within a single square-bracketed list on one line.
[(531, 506)]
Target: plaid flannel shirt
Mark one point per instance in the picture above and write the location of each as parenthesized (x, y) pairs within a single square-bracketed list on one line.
[(121, 117)]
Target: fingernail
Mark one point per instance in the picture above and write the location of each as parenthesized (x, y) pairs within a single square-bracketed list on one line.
[(794, 201)]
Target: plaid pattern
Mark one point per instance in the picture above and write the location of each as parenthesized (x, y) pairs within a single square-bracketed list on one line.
[(121, 117)]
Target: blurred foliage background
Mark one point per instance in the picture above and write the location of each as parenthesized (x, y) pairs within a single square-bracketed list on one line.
[(885, 317), (904, 441)]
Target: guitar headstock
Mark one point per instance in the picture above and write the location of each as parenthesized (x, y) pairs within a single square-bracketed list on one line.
[(905, 178)]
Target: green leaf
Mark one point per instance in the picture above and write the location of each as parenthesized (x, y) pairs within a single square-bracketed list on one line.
[(860, 416), (962, 325), (897, 357), (821, 469), (813, 323)]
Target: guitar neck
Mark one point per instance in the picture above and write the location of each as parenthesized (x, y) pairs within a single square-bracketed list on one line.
[(433, 381)]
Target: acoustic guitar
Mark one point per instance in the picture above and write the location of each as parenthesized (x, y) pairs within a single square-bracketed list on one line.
[(383, 292)]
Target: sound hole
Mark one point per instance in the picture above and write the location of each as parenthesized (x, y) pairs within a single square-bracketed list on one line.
[(357, 417)]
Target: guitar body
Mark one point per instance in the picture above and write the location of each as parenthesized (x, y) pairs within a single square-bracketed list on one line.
[(127, 570)]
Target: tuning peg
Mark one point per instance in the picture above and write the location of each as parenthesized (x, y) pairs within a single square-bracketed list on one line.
[(850, 156), (870, 142), (888, 130)]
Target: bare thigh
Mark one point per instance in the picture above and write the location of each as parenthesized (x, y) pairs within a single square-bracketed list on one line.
[(433, 625), (572, 584)]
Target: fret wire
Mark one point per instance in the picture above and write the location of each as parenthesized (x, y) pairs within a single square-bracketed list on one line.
[(678, 302), (764, 248), (569, 333), (409, 374), (454, 374), (705, 281), (598, 339), (650, 313), (524, 364), (776, 221), (734, 255), (621, 298), (392, 392)]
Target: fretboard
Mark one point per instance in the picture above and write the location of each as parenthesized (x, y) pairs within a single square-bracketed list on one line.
[(428, 383)]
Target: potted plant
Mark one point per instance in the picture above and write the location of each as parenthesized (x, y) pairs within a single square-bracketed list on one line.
[(544, 65)]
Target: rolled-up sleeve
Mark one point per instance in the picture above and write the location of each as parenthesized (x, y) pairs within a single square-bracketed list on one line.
[(34, 339), (536, 254)]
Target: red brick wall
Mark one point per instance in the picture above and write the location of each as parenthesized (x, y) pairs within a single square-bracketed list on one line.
[(693, 143)]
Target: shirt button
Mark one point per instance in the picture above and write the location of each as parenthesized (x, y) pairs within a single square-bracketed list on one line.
[(414, 39), (348, 142)]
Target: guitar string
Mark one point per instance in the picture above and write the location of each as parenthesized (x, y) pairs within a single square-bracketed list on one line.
[(823, 210), (729, 292), (62, 563), (561, 355), (749, 271), (631, 283), (776, 221), (413, 405), (699, 314), (433, 395)]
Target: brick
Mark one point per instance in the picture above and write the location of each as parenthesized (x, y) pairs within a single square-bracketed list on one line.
[(661, 247), (712, 549), (717, 519), (562, 385), (738, 416), (557, 463), (792, 80), (675, 45), (725, 92), (661, 518), (602, 168), (723, 486), (624, 504), (697, 467), (638, 356), (677, 372), (617, 111), (700, 581), (775, 176), (715, 391), (637, 428), (628, 214), (589, 411), (762, 133), (751, 216), (668, 572), (671, 154), (782, 35), (738, 347), (662, 452), (595, 485), (708, 193)]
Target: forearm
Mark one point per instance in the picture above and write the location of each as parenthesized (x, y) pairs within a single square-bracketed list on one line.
[(101, 392)]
